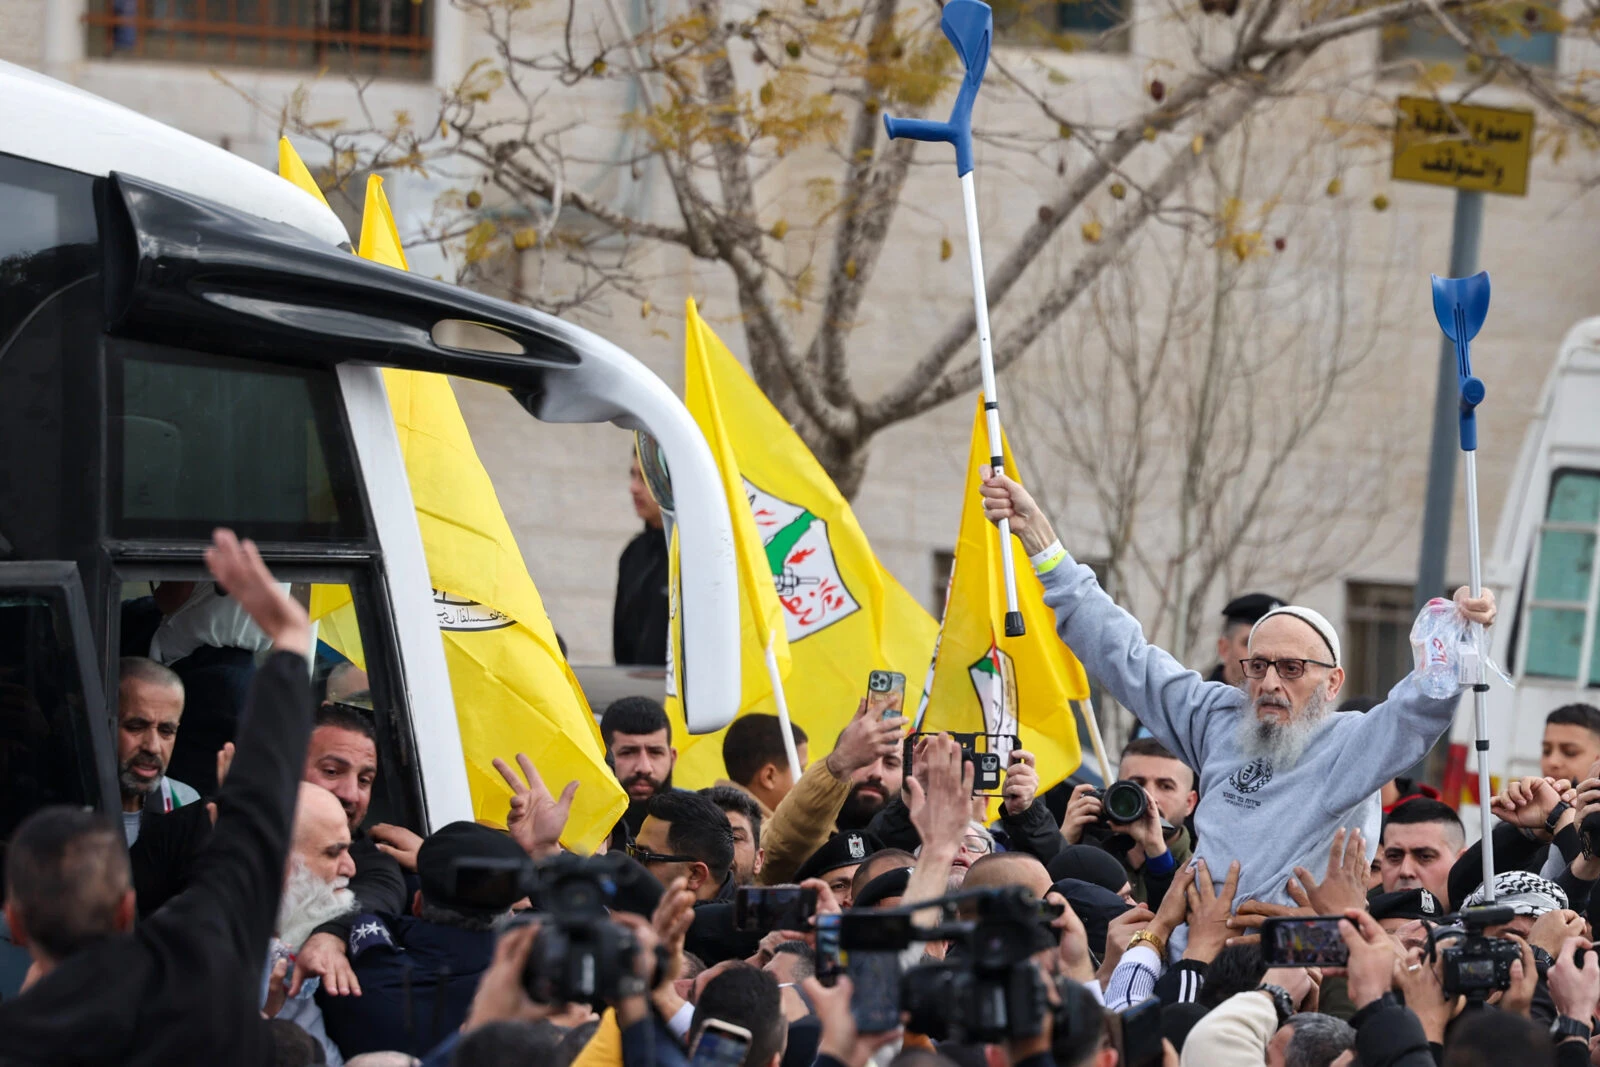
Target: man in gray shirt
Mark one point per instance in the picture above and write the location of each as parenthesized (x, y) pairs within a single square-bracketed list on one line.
[(1280, 773)]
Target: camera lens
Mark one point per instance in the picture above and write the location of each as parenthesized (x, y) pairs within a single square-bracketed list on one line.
[(1124, 802)]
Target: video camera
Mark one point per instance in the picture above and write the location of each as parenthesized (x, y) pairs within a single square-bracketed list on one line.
[(987, 990), (579, 954), (1477, 964)]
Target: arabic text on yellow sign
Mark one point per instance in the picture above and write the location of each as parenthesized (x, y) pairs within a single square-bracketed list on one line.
[(1482, 148)]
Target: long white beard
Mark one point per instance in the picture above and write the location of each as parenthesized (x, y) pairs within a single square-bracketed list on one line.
[(308, 902), (1282, 744)]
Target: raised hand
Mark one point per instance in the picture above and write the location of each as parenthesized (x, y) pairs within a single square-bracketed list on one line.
[(941, 810), (1419, 981), (1370, 970), (238, 568), (1083, 811), (536, 819), (1174, 906), (840, 1039), (1575, 989), (864, 741), (399, 842), (1344, 884), (1527, 803), (1208, 911), (1022, 782), (1006, 499), (1479, 609), (1119, 932)]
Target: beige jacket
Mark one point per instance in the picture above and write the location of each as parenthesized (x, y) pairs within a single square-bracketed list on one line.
[(801, 824), (1233, 1034)]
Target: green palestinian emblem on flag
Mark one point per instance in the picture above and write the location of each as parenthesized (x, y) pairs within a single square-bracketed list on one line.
[(804, 572), (994, 682)]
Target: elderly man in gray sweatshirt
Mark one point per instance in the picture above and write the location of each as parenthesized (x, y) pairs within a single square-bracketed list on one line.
[(1280, 773)]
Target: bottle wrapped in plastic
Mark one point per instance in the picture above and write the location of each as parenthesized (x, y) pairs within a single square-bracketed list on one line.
[(1444, 650)]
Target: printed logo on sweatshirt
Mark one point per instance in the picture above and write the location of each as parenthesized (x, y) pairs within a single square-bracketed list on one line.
[(1252, 776)]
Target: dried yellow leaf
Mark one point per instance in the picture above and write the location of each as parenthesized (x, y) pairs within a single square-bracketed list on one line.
[(945, 250)]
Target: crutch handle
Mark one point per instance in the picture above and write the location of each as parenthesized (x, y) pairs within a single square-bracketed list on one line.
[(969, 24)]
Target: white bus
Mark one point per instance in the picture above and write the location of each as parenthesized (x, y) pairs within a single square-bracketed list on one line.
[(186, 342)]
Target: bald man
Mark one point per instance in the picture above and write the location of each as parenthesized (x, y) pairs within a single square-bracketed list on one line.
[(1009, 868), (315, 889), (1280, 773)]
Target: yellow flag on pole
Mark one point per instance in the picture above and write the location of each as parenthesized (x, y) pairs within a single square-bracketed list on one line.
[(984, 681), (513, 690), (843, 614), (292, 167)]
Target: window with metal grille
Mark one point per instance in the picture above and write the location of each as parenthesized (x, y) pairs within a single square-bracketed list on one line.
[(1558, 635), (1377, 649), (386, 37)]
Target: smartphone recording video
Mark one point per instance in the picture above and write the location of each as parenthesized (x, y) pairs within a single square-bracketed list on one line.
[(886, 694), (1303, 942), (762, 909)]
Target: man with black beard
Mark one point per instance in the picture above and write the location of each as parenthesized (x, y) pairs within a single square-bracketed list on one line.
[(1279, 773), (638, 740)]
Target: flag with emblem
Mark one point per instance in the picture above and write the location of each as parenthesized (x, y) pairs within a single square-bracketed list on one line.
[(984, 681), (514, 692), (843, 615)]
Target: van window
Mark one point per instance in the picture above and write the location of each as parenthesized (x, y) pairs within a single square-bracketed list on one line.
[(1564, 594), (199, 441)]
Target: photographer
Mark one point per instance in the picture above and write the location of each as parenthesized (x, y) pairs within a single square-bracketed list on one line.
[(1154, 846)]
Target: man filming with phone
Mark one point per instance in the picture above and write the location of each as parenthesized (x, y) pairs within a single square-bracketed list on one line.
[(1280, 773)]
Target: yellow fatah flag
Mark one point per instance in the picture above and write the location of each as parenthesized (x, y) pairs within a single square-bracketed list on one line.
[(843, 614), (984, 681), (513, 690)]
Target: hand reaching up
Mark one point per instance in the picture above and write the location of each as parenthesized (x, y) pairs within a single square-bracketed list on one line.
[(536, 819), (238, 568), (1344, 884), (941, 810)]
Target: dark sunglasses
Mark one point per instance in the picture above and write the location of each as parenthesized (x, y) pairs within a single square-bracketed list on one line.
[(644, 855)]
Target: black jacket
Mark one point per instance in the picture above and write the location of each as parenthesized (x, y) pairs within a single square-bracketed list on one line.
[(1389, 1035), (639, 619), (417, 981), (185, 985)]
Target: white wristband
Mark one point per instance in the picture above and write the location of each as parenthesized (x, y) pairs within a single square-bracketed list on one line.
[(1051, 551)]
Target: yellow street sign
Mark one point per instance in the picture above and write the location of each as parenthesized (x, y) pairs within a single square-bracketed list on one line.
[(1463, 146)]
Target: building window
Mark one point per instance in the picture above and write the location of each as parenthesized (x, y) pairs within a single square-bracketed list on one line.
[(1377, 652), (1525, 37), (1560, 613), (388, 37), (1100, 25)]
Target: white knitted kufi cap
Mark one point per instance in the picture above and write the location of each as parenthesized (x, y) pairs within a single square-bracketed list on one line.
[(1311, 618)]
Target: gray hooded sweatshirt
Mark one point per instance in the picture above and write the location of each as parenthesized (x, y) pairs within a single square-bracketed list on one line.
[(1270, 819)]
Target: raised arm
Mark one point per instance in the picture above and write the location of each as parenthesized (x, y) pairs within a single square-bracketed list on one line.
[(239, 877), (1168, 698)]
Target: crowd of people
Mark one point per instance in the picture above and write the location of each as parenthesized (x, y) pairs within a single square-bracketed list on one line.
[(267, 920)]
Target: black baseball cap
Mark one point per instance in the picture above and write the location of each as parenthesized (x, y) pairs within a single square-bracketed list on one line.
[(1251, 607)]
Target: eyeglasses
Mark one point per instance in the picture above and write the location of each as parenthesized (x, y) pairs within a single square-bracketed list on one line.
[(646, 857), (1288, 669), (977, 845)]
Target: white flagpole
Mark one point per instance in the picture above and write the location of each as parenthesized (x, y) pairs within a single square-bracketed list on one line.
[(782, 702)]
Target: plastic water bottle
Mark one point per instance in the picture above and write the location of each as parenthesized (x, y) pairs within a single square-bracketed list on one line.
[(1436, 649)]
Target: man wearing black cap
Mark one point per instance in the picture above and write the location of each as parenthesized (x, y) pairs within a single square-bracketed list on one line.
[(418, 972), (1233, 644), (836, 861)]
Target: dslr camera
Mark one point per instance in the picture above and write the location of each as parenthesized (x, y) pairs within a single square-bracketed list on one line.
[(987, 989), (1121, 803), (1476, 965), (579, 954)]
